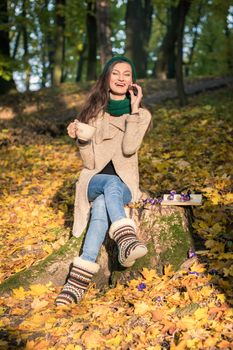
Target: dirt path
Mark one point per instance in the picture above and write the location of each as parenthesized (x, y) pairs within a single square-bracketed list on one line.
[(190, 88)]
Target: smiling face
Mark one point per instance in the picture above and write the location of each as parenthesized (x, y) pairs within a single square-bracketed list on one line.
[(120, 79)]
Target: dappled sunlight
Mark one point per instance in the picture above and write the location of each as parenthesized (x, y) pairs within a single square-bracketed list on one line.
[(188, 148)]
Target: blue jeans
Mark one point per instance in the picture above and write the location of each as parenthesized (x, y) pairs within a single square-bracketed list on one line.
[(109, 194)]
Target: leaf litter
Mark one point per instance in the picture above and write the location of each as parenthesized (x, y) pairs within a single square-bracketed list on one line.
[(189, 148)]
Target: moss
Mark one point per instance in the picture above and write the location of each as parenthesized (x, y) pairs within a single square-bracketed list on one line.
[(178, 241), (25, 277), (145, 260), (186, 310)]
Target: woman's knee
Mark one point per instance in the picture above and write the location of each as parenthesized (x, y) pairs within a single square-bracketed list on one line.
[(114, 182)]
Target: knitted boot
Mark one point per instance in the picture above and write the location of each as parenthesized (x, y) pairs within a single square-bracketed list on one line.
[(78, 281), (123, 232)]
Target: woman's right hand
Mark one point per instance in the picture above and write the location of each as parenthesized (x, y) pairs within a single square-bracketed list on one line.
[(72, 129)]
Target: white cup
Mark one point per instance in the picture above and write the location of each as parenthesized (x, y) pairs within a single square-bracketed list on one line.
[(85, 131)]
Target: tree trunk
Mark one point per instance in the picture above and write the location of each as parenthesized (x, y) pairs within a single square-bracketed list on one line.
[(80, 63), (91, 40), (196, 26), (46, 43), (138, 29), (165, 231), (6, 79), (27, 68), (59, 42), (104, 31), (228, 35), (16, 45), (183, 9), (165, 65)]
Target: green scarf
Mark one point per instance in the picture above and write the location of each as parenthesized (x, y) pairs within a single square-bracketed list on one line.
[(118, 107)]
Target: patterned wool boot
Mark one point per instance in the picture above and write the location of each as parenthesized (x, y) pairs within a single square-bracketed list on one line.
[(78, 281), (123, 232)]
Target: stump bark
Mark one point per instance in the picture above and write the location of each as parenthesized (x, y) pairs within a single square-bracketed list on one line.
[(165, 231)]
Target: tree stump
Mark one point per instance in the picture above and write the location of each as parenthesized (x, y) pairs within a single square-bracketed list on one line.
[(164, 230)]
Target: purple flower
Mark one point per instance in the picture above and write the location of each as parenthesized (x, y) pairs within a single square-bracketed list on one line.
[(171, 195), (193, 273), (141, 286), (191, 253), (185, 197), (213, 272)]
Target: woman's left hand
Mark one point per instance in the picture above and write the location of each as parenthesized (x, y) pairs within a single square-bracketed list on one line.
[(135, 99)]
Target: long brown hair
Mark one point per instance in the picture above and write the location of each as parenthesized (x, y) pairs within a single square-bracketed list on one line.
[(98, 97)]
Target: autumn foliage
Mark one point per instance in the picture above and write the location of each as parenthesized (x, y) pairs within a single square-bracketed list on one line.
[(188, 148)]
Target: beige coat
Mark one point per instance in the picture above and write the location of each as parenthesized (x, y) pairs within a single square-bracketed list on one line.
[(117, 139)]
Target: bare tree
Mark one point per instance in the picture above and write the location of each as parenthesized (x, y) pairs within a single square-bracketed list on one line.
[(104, 30), (183, 9), (138, 29), (59, 42), (165, 64), (91, 39), (6, 80), (27, 68)]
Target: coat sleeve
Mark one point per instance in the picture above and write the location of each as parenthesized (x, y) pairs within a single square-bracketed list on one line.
[(87, 154), (136, 126)]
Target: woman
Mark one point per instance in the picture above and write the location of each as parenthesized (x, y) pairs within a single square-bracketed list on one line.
[(110, 178)]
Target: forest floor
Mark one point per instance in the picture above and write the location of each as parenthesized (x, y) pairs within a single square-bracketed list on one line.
[(188, 148)]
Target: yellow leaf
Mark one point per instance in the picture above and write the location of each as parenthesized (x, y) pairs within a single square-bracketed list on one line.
[(228, 198), (129, 337), (187, 322), (221, 297), (166, 155), (201, 313), (157, 315), (38, 304), (192, 343), (92, 339), (216, 198), (30, 345), (76, 335), (47, 248), (36, 320), (114, 341), (19, 293), (210, 342), (206, 291), (141, 308), (217, 228), (18, 311), (69, 347), (2, 310), (226, 256), (224, 344), (179, 153), (197, 267), (168, 270), (38, 289), (149, 275), (228, 271)]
